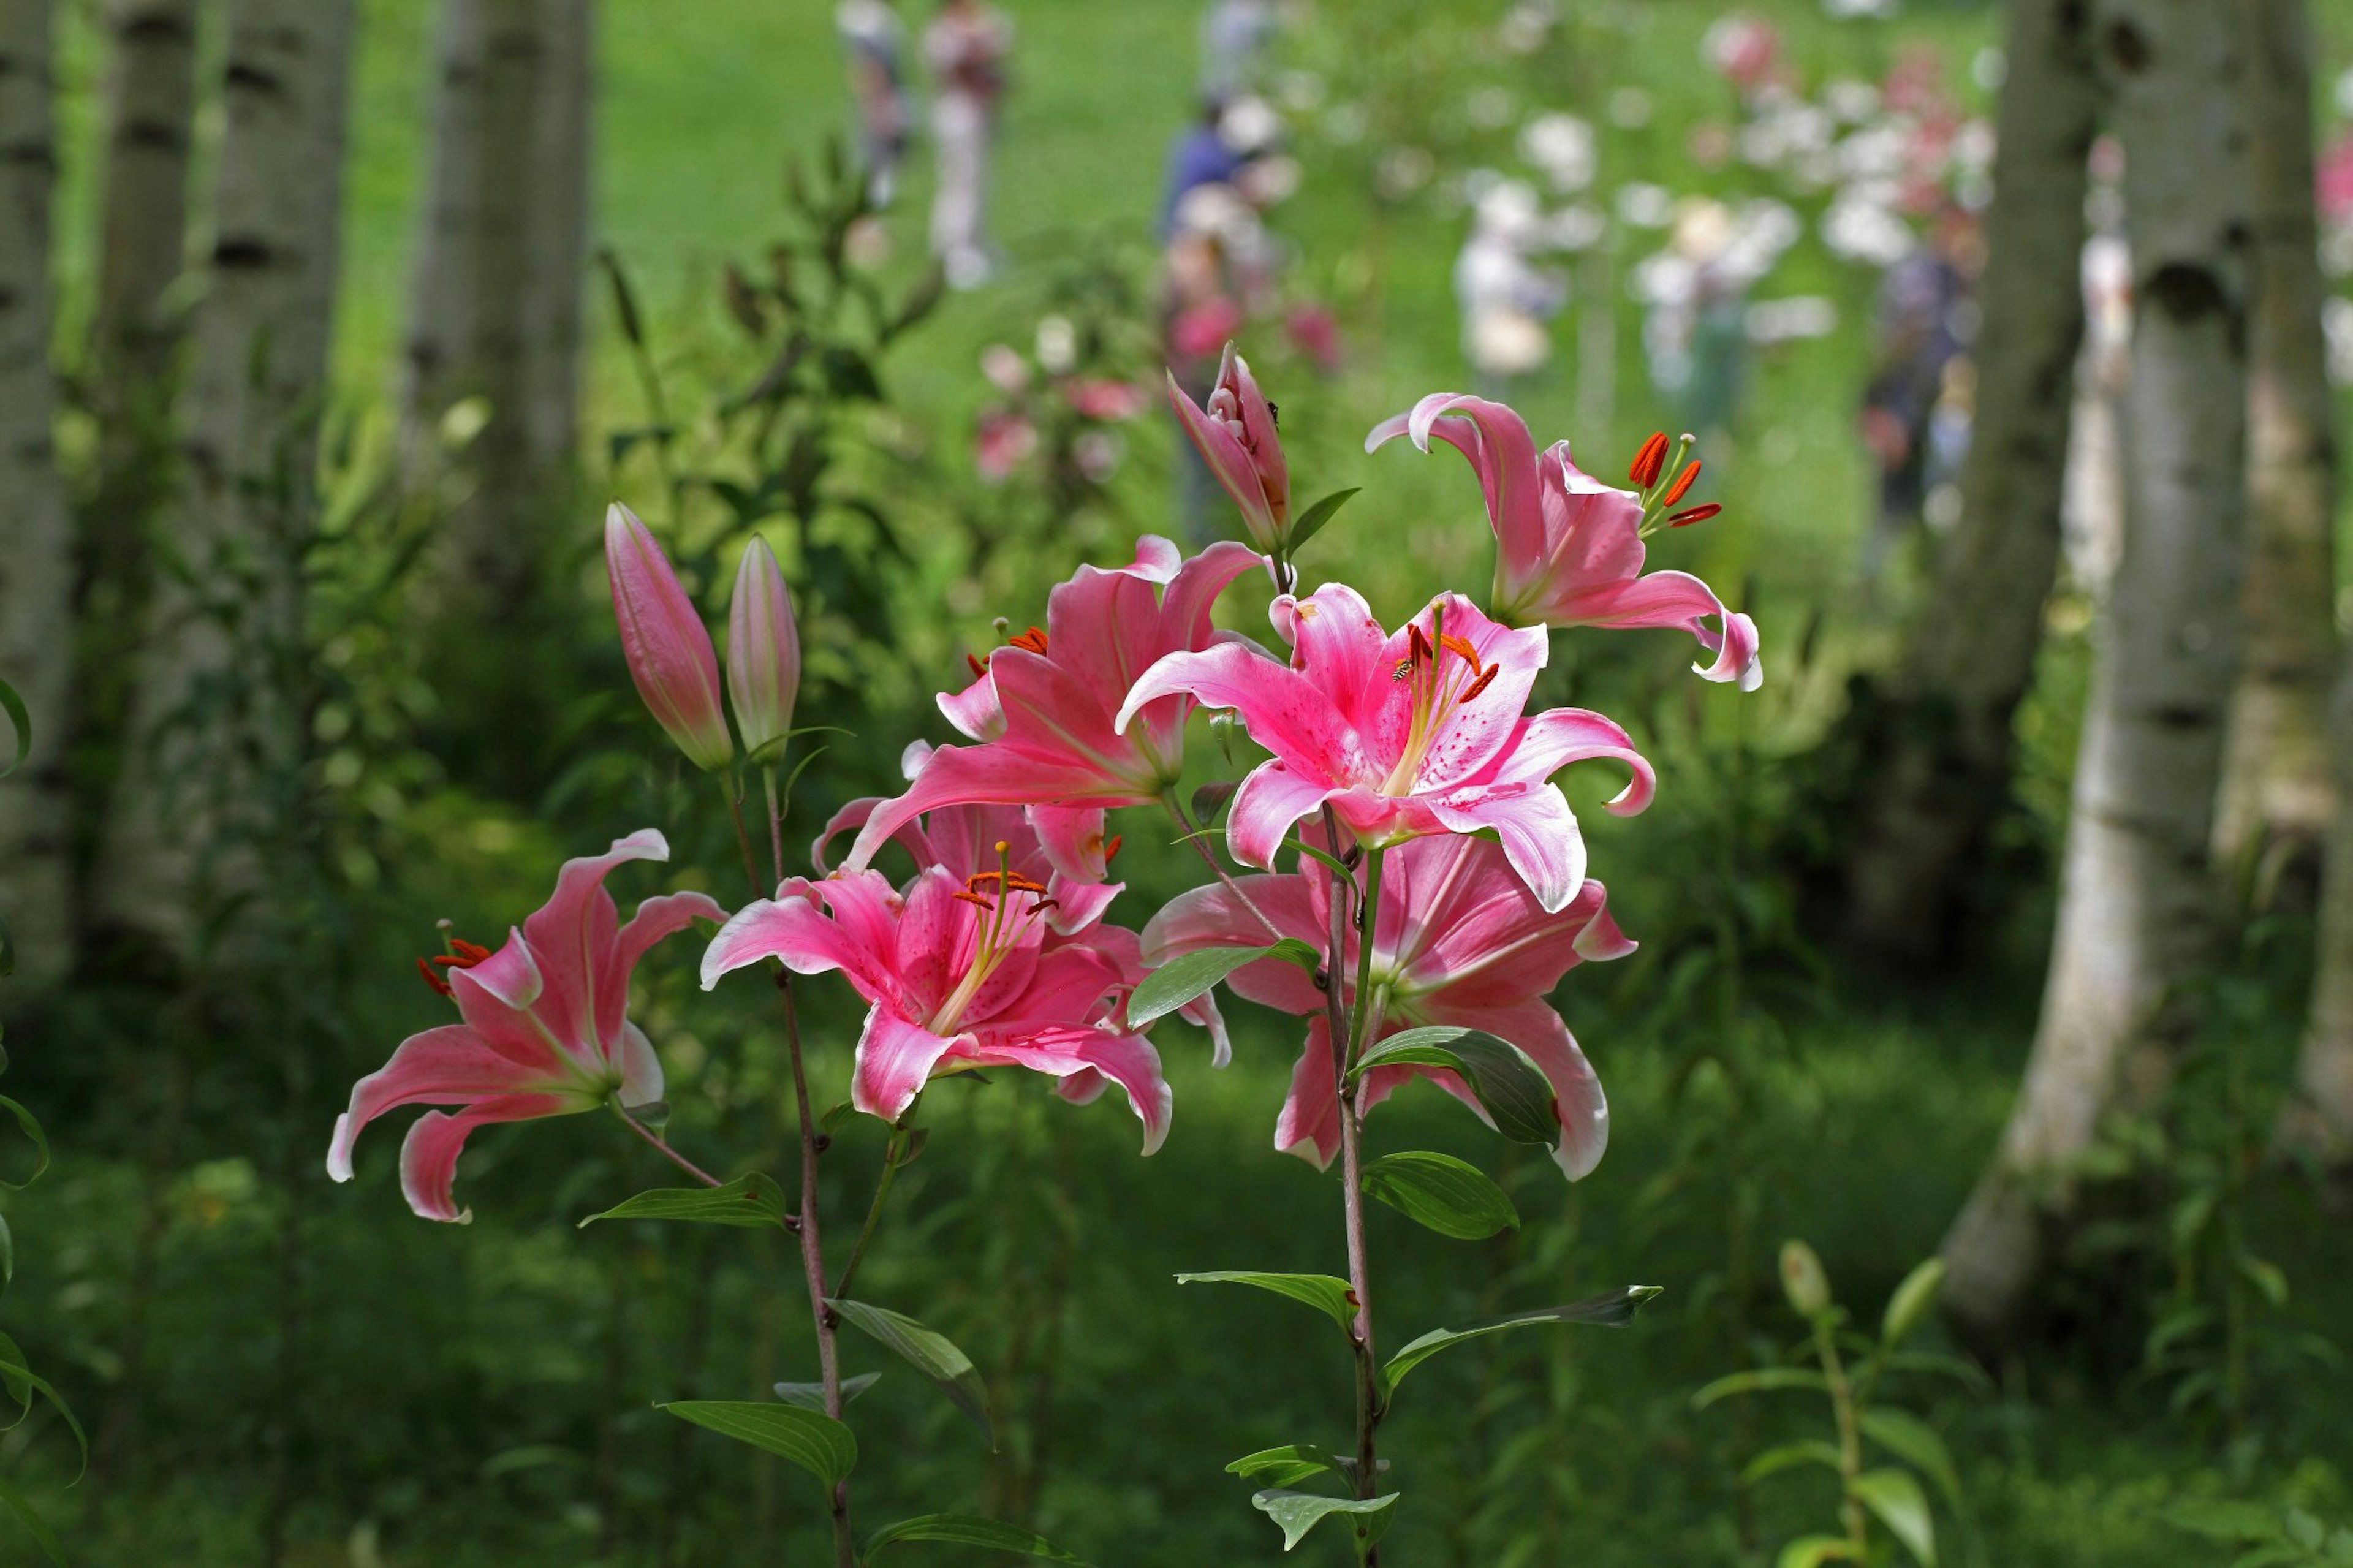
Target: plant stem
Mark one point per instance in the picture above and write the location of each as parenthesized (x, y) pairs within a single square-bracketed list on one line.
[(1858, 1529), (1365, 1028), (776, 823), (873, 1210), (829, 1359), (1193, 836), (661, 1145), (742, 838)]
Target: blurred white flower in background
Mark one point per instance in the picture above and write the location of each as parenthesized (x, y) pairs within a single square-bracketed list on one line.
[(1645, 206), (1843, 10), (1858, 228), (1562, 147), (1629, 109), (1005, 369), (1058, 345), (1402, 170)]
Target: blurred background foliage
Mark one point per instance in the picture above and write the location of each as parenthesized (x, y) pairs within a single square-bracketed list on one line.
[(270, 1366)]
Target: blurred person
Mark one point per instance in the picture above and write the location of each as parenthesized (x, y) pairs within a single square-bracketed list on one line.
[(1234, 39), (1201, 155), (965, 46), (1925, 314), (1506, 298), (875, 41), (1695, 336)]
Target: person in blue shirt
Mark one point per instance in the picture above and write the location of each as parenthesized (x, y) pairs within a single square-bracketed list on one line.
[(1200, 156)]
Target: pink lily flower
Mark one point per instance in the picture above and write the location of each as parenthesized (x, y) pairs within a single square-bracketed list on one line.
[(545, 1030), (1041, 707), (960, 972), (764, 653), (1236, 435), (665, 641), (1419, 731), (1458, 940), (1568, 549)]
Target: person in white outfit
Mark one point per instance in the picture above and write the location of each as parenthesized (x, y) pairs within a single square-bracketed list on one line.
[(965, 46), (876, 43)]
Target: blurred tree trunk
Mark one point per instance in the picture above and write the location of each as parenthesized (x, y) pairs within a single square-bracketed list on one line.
[(2137, 894), (134, 364), (36, 559), (207, 723), (2276, 792), (2320, 1121), (1941, 751), (496, 293)]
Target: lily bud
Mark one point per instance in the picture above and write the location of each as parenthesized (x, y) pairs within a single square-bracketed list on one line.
[(1808, 1288), (1236, 435), (764, 653), (665, 641)]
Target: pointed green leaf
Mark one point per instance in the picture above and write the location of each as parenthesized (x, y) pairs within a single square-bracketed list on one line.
[(1299, 1512), (1813, 1551), (1763, 1380), (1310, 522), (1915, 1443), (1450, 1197), (1286, 1465), (967, 1530), (928, 1351), (1613, 1310), (1187, 975), (817, 1442), (1896, 1498), (14, 1374), (1329, 1295), (1813, 1451), (747, 1202), (35, 1525), (32, 1130), (1913, 1300), (2221, 1519), (20, 721), (811, 1395), (1517, 1095)]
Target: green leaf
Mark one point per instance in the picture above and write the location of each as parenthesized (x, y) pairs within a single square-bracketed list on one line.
[(817, 1442), (747, 1202), (1913, 1300), (2265, 1276), (1614, 1310), (1813, 1551), (1329, 1295), (966, 1530), (7, 1253), (7, 964), (1813, 1451), (1299, 1512), (21, 721), (1915, 1443), (1763, 1380), (1517, 1095), (929, 1353), (811, 1395), (2219, 1519), (1951, 1366), (14, 1372), (1895, 1498), (1187, 975), (1450, 1197), (32, 1130), (1310, 524), (35, 1525), (1286, 1465)]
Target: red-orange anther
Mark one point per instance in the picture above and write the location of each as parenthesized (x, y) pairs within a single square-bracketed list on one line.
[(979, 666), (1649, 460), (1699, 513), (465, 954), (1683, 483), (973, 898), (1033, 641), (432, 979), (1112, 848), (1417, 645), (1461, 646), (1481, 684)]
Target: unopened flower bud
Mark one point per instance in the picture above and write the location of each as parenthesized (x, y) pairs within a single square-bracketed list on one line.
[(763, 654), (1808, 1286), (1236, 437), (664, 639)]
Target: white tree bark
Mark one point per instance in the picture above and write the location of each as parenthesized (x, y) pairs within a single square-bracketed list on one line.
[(150, 110), (497, 285), (36, 564), (2136, 895), (1947, 743), (206, 722), (2277, 793)]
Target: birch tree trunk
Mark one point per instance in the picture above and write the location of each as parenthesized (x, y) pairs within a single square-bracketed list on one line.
[(207, 724), (497, 286), (2276, 791), (1943, 754), (149, 114), (2137, 895), (2320, 1119), (36, 563)]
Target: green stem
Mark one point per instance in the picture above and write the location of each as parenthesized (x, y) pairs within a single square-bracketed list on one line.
[(663, 1145), (775, 822), (1842, 1404), (1349, 1041), (742, 838), (874, 1209), (1194, 836)]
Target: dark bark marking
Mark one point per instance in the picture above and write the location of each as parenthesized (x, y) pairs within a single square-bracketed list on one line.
[(2129, 46), (2186, 292)]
